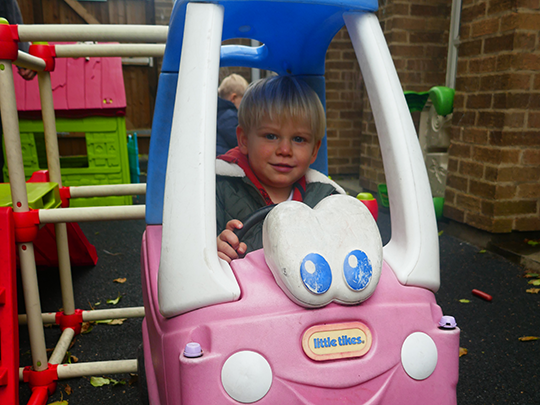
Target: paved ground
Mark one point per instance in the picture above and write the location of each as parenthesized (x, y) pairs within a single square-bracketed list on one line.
[(498, 369)]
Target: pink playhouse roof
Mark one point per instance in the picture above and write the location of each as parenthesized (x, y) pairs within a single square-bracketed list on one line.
[(81, 88)]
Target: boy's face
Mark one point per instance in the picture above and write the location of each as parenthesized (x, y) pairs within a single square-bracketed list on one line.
[(279, 153)]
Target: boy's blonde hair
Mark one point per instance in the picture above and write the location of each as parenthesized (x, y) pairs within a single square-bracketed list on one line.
[(232, 84), (282, 97)]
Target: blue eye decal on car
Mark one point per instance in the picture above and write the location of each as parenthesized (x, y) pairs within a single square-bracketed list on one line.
[(316, 274), (357, 270)]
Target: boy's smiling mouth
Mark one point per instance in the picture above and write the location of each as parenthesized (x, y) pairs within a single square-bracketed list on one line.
[(282, 167)]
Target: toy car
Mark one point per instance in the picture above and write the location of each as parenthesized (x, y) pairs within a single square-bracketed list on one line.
[(335, 319)]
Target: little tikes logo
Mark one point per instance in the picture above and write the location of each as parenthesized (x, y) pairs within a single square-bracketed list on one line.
[(337, 341)]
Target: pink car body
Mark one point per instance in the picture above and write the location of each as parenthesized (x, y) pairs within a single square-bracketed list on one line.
[(264, 320)]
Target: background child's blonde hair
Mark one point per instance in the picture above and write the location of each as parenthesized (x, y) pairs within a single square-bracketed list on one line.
[(232, 84), (282, 97)]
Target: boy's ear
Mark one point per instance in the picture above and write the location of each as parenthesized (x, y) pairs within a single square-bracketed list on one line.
[(242, 139), (315, 151)]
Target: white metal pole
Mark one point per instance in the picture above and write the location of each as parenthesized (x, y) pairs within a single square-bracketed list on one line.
[(109, 50), (53, 164), (96, 368), (255, 73), (453, 44), (33, 306), (47, 318), (102, 32), (28, 61), (89, 214), (107, 190), (12, 143), (49, 127), (116, 313), (62, 346), (94, 315), (10, 124), (64, 268)]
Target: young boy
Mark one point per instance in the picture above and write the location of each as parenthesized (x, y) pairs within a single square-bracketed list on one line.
[(281, 125)]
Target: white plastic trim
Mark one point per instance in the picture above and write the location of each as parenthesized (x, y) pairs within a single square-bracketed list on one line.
[(315, 254), (413, 251), (191, 275), (246, 376), (419, 355)]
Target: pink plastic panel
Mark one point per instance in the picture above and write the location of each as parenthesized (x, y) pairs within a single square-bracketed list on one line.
[(9, 328), (78, 84), (74, 86), (265, 321)]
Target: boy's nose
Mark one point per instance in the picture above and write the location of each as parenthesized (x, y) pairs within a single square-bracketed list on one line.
[(284, 147)]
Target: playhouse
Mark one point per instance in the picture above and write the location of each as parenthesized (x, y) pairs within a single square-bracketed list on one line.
[(90, 103)]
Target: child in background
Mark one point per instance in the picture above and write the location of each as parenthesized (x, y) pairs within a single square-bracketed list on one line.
[(281, 126), (230, 93)]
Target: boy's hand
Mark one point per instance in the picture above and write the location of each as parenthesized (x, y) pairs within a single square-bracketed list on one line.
[(26, 74), (228, 245)]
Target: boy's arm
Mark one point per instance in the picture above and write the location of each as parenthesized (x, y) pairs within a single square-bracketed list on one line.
[(228, 245)]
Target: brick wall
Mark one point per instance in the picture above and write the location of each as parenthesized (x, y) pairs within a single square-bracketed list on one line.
[(494, 167), (163, 10), (417, 35), (344, 101)]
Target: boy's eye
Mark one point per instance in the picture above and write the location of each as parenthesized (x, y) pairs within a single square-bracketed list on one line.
[(270, 136), (299, 139)]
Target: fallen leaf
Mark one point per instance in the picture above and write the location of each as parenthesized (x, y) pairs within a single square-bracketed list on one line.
[(107, 321), (464, 301), (115, 382), (115, 301), (99, 381), (531, 275), (86, 327), (441, 232), (462, 351), (532, 242), (97, 304), (120, 280), (118, 321), (482, 251), (528, 338), (535, 282), (533, 290), (59, 403), (68, 389), (111, 253), (67, 358), (74, 359)]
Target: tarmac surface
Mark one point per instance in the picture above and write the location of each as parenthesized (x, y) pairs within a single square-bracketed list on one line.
[(497, 369)]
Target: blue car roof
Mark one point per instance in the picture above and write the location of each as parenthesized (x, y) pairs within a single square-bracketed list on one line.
[(295, 34)]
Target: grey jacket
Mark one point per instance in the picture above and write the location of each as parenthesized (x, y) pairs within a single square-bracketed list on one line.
[(237, 198)]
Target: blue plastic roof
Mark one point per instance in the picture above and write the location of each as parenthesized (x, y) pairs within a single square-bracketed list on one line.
[(295, 34)]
